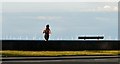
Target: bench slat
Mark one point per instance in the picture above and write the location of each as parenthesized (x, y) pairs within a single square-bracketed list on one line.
[(88, 37)]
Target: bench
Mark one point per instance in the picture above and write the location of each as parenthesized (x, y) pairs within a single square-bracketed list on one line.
[(90, 37)]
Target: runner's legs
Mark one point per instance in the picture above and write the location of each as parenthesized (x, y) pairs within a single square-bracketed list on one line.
[(46, 37)]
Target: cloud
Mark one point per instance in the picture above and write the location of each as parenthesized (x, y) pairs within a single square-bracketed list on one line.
[(115, 8), (106, 6), (48, 17), (59, 7)]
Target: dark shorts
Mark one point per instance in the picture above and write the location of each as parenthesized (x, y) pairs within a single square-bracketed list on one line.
[(46, 37)]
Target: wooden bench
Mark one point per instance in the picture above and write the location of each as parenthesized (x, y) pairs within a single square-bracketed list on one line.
[(90, 37)]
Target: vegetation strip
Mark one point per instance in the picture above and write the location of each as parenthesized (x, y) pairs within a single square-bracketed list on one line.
[(58, 53)]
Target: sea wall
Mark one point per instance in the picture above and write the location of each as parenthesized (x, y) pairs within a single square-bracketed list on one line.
[(59, 45)]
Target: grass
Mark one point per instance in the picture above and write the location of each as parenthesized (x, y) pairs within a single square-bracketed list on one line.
[(58, 53)]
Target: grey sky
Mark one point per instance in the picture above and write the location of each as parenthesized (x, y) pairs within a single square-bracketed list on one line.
[(60, 0), (66, 20), (57, 6)]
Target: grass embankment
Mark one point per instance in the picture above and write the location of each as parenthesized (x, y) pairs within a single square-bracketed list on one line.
[(58, 53)]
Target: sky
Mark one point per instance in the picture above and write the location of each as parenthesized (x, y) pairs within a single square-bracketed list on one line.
[(67, 20), (60, 0), (0, 21)]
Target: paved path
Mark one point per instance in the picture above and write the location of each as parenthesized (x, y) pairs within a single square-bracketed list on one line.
[(62, 60)]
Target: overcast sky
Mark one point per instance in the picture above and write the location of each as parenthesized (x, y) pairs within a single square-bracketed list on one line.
[(60, 0), (67, 20)]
